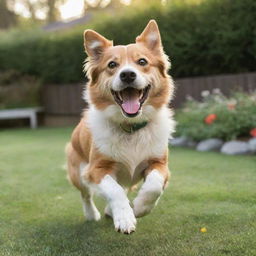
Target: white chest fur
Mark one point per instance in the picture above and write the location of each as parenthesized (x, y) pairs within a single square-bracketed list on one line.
[(131, 150)]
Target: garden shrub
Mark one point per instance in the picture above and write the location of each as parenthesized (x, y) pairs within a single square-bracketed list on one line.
[(218, 116), (18, 90), (213, 37)]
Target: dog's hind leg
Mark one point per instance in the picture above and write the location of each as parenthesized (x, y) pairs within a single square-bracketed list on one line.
[(90, 210), (76, 166)]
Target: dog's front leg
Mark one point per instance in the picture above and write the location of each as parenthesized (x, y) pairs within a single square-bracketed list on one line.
[(114, 194), (122, 213), (156, 177)]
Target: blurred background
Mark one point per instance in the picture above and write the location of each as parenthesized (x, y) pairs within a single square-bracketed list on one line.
[(211, 44)]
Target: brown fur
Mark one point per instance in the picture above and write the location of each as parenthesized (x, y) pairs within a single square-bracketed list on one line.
[(160, 164)]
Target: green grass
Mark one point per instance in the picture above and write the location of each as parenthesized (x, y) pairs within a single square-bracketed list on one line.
[(40, 213)]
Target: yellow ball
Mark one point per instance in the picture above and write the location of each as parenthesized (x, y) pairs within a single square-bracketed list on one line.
[(203, 230)]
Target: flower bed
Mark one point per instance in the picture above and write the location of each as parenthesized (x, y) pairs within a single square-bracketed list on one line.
[(218, 119), (218, 116)]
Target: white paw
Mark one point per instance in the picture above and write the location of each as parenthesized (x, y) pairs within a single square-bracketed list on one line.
[(91, 212), (145, 202), (94, 216), (149, 194), (141, 210), (124, 220)]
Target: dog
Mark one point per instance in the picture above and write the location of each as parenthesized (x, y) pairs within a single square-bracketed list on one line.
[(122, 137)]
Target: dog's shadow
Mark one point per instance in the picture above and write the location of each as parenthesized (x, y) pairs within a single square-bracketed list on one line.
[(59, 237)]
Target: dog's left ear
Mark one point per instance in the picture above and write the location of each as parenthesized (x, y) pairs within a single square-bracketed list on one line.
[(150, 37)]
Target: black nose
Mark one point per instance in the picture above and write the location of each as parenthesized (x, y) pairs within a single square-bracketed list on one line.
[(127, 76)]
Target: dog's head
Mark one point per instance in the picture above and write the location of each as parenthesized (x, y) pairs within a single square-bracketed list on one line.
[(129, 80)]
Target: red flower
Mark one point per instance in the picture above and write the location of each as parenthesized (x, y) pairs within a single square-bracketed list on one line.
[(253, 132), (210, 118)]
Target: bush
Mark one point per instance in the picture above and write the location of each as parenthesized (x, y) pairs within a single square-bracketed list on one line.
[(218, 116), (18, 90), (216, 36)]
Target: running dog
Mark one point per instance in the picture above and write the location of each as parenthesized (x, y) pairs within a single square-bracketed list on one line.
[(122, 137)]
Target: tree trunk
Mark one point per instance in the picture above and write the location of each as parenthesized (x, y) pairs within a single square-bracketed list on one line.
[(7, 18), (31, 9), (52, 12)]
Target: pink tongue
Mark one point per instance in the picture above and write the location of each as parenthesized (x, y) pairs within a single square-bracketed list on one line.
[(131, 105)]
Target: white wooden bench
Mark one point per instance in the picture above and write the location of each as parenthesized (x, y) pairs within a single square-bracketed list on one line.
[(30, 113)]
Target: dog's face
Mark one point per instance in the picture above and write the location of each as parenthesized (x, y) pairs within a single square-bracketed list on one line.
[(128, 78)]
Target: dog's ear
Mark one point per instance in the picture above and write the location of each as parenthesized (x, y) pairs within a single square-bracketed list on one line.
[(95, 44), (150, 37)]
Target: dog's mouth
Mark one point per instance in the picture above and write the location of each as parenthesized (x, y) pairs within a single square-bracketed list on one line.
[(131, 100)]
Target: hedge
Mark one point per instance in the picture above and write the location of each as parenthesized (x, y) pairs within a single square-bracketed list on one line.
[(19, 90), (214, 37)]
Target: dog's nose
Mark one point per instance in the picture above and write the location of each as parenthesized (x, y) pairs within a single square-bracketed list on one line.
[(127, 76)]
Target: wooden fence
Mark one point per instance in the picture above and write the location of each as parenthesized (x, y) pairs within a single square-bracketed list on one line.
[(226, 83), (63, 99), (67, 99)]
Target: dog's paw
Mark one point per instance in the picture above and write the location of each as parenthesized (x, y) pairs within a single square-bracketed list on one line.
[(93, 216), (91, 212), (124, 220), (141, 210), (149, 194), (143, 204)]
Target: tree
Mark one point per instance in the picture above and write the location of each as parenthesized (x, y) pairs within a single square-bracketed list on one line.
[(149, 2), (53, 11), (7, 17), (31, 8), (98, 4)]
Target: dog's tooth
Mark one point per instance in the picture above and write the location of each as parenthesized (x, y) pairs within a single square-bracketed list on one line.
[(120, 96)]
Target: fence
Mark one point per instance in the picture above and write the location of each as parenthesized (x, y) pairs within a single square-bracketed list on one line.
[(226, 83), (63, 99), (67, 99)]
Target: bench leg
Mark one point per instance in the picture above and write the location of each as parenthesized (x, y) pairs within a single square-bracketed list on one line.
[(33, 121)]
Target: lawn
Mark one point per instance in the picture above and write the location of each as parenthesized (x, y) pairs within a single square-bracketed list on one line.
[(40, 213)]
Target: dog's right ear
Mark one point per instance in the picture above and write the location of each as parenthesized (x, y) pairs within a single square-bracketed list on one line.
[(95, 44)]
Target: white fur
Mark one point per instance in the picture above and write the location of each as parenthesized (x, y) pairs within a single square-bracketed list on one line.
[(152, 37), (95, 44), (121, 211), (90, 210), (131, 150), (149, 194)]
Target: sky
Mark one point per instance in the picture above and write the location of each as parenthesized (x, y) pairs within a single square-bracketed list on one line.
[(72, 8)]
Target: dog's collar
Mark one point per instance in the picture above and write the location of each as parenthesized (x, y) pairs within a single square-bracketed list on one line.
[(133, 127)]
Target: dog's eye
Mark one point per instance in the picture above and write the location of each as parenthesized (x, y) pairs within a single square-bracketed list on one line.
[(142, 62), (112, 64)]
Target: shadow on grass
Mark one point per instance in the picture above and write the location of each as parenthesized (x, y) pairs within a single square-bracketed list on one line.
[(76, 238)]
